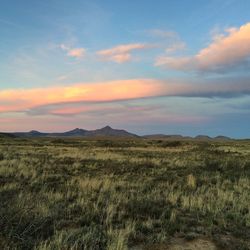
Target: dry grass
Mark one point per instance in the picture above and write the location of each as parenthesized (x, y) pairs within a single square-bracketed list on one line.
[(76, 194)]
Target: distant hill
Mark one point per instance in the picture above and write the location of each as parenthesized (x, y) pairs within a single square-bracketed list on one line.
[(222, 138), (7, 135), (180, 137), (203, 137), (102, 132), (218, 138), (107, 131), (72, 133), (32, 133), (162, 136)]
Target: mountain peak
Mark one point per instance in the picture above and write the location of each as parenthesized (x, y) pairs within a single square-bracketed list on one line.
[(76, 130), (108, 131), (34, 132), (107, 127)]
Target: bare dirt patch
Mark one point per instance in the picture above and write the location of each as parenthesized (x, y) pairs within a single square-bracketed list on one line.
[(181, 244)]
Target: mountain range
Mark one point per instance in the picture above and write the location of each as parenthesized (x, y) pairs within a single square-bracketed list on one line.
[(107, 131), (78, 132)]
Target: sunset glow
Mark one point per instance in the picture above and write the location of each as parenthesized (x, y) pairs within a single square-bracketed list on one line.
[(141, 67)]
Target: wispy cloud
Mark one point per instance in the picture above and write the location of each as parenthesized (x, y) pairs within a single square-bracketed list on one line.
[(78, 52), (170, 40), (177, 46), (226, 50), (73, 52), (97, 108), (61, 78), (169, 34), (121, 53), (88, 116)]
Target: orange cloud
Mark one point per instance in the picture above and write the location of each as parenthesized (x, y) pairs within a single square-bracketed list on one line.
[(24, 100), (226, 50), (121, 53)]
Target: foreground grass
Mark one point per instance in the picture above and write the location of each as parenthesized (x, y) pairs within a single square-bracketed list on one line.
[(110, 194)]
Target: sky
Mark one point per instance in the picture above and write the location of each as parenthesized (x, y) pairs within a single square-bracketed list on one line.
[(162, 66)]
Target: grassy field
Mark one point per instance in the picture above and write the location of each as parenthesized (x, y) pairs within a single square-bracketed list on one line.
[(124, 194)]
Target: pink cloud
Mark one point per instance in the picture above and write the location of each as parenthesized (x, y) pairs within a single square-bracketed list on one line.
[(73, 52), (23, 122), (121, 118), (121, 53), (229, 49), (77, 53), (24, 100)]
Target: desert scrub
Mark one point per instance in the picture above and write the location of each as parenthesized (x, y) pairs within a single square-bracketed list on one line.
[(108, 194)]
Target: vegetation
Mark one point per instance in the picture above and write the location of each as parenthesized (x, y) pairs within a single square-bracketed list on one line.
[(123, 194)]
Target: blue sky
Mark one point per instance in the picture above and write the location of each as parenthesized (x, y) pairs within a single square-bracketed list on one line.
[(147, 66)]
